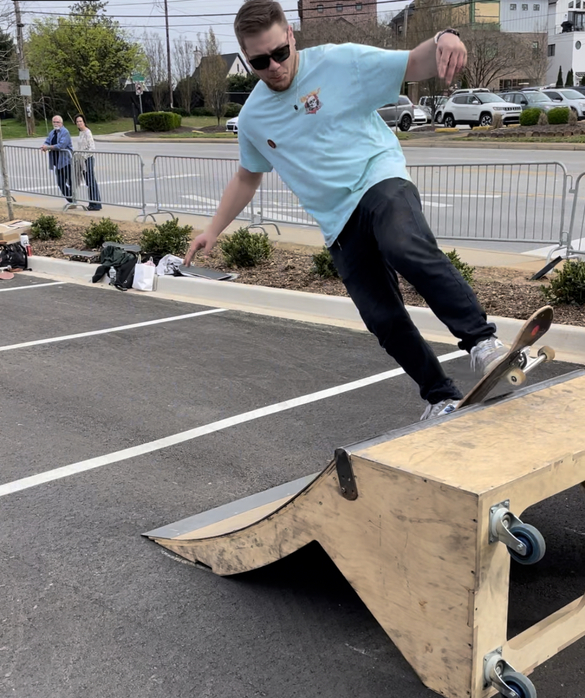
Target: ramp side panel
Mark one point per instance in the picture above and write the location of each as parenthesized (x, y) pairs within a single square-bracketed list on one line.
[(230, 517)]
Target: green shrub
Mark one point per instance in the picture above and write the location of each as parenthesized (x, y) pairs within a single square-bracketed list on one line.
[(466, 270), (166, 238), (529, 117), (180, 111), (201, 111), (568, 284), (558, 115), (98, 232), (323, 264), (245, 249), (232, 109), (159, 121), (46, 228)]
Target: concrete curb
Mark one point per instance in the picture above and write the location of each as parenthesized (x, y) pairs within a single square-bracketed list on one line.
[(567, 340)]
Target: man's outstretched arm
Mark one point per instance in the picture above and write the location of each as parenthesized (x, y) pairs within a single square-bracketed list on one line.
[(444, 59), (236, 196)]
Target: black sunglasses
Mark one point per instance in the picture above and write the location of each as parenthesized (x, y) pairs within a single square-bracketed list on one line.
[(280, 55)]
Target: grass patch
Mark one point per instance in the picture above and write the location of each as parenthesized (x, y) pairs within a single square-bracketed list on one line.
[(14, 129), (226, 135), (530, 139)]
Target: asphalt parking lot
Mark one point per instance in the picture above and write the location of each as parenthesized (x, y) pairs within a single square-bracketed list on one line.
[(123, 412)]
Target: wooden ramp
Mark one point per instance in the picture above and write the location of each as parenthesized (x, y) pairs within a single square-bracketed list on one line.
[(408, 518)]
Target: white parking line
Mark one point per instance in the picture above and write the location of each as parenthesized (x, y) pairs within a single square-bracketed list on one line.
[(142, 449), (120, 328), (20, 288)]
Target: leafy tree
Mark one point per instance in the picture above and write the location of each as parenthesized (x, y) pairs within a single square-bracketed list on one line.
[(86, 52), (560, 77), (569, 82), (242, 82), (213, 76)]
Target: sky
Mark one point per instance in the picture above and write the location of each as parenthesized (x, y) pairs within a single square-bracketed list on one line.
[(148, 15)]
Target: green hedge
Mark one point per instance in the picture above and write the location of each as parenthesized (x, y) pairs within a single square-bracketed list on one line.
[(529, 117), (558, 115), (159, 121), (232, 109)]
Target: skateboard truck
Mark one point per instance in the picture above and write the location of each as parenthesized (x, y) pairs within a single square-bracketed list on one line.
[(345, 475), (524, 542), (504, 678)]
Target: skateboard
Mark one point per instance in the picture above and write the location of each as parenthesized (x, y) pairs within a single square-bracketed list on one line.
[(514, 366)]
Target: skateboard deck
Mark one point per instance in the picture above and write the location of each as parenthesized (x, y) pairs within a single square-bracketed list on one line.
[(205, 273), (512, 364)]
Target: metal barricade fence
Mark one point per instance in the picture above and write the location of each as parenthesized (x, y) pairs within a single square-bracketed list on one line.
[(28, 169), (114, 179), (575, 241), (192, 185), (511, 202)]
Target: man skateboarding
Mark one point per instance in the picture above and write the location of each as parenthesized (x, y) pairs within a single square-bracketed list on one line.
[(313, 118)]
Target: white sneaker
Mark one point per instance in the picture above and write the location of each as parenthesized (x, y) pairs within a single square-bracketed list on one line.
[(486, 354), (439, 409)]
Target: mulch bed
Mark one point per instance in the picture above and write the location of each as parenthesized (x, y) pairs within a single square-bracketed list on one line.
[(502, 292)]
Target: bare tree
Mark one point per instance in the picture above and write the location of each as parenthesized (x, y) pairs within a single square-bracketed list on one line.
[(340, 31), (184, 62), (156, 59), (430, 17), (213, 76), (492, 55), (536, 61)]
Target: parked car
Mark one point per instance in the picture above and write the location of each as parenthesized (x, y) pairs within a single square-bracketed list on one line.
[(568, 97), (528, 99), (426, 104), (232, 125), (401, 113), (477, 108), (420, 116)]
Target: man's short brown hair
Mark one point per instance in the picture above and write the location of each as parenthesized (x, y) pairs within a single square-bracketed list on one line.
[(256, 16)]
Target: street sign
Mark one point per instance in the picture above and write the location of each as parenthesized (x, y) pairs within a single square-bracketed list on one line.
[(139, 87), (136, 77)]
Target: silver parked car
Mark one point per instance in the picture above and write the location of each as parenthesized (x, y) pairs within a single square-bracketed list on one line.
[(426, 104), (401, 113), (567, 97), (529, 99)]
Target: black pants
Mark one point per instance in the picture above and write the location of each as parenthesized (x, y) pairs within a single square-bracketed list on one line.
[(93, 189), (386, 234), (64, 181)]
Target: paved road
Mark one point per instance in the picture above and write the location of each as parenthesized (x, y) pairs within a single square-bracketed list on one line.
[(90, 609)]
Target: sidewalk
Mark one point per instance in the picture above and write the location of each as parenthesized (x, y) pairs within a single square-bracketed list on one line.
[(291, 236)]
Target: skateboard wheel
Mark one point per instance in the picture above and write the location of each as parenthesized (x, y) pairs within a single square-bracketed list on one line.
[(516, 376), (520, 684), (548, 352), (532, 539)]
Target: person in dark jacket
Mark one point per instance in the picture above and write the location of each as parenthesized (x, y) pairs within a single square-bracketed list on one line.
[(60, 148)]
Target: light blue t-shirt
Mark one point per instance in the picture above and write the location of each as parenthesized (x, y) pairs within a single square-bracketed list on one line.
[(334, 146)]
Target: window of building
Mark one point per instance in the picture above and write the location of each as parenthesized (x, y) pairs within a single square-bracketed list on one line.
[(536, 8), (577, 45), (578, 4), (550, 51), (339, 7), (524, 8), (319, 8), (358, 6), (513, 6), (571, 4)]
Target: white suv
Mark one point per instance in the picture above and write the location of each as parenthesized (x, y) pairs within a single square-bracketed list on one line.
[(568, 98), (477, 108)]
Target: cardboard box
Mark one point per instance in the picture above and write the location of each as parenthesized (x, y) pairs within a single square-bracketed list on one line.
[(10, 232)]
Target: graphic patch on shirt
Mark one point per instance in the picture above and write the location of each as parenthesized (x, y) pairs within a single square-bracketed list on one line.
[(312, 102)]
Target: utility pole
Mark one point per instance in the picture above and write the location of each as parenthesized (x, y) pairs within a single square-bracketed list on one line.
[(5, 181), (169, 74), (25, 89)]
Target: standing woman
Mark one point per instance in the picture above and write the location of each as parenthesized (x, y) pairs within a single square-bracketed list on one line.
[(86, 146)]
